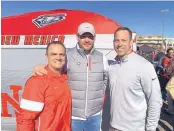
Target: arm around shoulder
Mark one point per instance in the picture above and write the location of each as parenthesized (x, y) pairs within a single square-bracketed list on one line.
[(39, 70)]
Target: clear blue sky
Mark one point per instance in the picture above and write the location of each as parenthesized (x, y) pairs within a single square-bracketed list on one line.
[(144, 17)]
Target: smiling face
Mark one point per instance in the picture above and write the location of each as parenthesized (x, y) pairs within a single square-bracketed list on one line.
[(56, 57), (122, 43), (86, 41)]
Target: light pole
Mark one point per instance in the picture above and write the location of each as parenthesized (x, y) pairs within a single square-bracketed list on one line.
[(163, 11)]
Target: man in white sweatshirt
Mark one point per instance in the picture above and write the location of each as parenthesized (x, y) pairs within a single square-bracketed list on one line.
[(134, 88)]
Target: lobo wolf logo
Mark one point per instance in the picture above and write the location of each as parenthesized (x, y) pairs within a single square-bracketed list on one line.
[(45, 20)]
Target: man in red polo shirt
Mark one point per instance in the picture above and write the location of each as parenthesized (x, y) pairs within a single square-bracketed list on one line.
[(46, 100)]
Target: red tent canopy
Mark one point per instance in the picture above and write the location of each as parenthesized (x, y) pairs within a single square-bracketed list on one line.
[(59, 21)]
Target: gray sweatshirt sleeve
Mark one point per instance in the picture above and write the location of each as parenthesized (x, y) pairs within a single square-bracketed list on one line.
[(151, 88)]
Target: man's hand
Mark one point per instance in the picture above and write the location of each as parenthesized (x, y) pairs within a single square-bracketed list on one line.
[(39, 70)]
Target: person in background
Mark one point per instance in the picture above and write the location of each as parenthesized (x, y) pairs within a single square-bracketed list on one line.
[(164, 77), (170, 73), (168, 56), (134, 88), (160, 54), (87, 74), (46, 100), (170, 68), (158, 60)]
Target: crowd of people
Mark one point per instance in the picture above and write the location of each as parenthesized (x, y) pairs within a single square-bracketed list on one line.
[(164, 66), (163, 62), (69, 92)]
